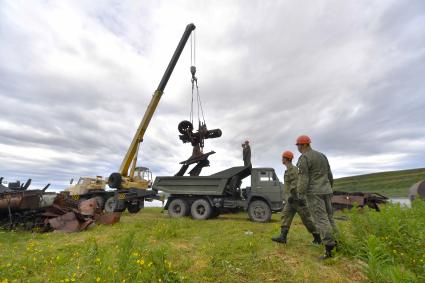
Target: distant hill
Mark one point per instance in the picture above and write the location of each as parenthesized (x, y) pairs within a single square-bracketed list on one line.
[(390, 184)]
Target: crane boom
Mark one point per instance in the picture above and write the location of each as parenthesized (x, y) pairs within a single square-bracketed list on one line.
[(131, 155)]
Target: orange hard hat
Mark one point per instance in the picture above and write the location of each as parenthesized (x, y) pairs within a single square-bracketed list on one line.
[(303, 140), (288, 155)]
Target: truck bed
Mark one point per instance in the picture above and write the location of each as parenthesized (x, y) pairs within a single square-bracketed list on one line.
[(214, 184)]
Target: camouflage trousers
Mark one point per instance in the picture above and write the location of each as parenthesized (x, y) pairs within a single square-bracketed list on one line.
[(289, 211), (322, 212)]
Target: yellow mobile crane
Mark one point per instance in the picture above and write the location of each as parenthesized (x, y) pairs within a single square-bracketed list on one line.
[(131, 182), (140, 177)]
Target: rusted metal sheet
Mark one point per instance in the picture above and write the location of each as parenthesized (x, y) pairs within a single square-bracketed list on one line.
[(66, 223), (349, 200), (108, 218), (88, 207)]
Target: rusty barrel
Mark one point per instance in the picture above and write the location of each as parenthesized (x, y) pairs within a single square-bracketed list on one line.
[(417, 190)]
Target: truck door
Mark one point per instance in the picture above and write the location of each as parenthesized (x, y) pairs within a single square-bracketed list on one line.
[(267, 184)]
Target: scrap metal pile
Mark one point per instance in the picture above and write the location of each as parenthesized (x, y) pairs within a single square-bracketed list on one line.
[(346, 200), (41, 211)]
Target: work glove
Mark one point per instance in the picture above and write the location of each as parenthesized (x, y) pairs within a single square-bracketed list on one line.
[(302, 201), (291, 200)]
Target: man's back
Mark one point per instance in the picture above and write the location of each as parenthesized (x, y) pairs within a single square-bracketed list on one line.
[(318, 170)]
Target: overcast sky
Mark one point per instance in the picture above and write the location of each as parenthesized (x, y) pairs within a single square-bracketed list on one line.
[(77, 76)]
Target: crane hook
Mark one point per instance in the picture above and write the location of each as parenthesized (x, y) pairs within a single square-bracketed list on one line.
[(193, 72)]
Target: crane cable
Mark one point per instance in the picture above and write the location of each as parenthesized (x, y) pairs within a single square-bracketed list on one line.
[(195, 82)]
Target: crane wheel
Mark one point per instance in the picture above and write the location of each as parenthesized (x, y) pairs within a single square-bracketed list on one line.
[(113, 204), (185, 126), (114, 181), (134, 207)]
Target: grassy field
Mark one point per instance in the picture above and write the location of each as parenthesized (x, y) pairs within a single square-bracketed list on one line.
[(151, 247), (390, 184)]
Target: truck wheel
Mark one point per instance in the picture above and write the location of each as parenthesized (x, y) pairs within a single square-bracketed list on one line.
[(201, 209), (114, 180), (114, 205), (259, 211), (178, 208), (133, 207)]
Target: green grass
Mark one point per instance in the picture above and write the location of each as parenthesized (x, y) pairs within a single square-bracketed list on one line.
[(151, 247), (390, 184)]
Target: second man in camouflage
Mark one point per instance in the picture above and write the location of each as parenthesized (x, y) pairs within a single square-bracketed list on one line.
[(293, 203)]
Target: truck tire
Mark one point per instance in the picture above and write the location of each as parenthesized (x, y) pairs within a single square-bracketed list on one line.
[(134, 207), (201, 209), (178, 208), (259, 211), (114, 205), (114, 181)]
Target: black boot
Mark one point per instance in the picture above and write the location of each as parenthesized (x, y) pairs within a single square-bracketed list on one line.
[(328, 252), (282, 237), (316, 239)]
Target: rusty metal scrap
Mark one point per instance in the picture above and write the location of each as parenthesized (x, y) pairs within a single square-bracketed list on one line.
[(108, 218), (346, 200), (37, 210)]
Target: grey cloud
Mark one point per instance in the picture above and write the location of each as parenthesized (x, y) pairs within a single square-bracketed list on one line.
[(347, 73)]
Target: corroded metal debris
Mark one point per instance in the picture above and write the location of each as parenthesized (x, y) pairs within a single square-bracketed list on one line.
[(38, 210), (345, 200)]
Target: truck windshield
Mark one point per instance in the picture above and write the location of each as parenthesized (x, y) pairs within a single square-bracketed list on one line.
[(266, 176)]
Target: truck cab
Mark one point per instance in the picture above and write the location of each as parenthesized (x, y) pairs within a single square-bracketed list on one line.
[(85, 185), (266, 185)]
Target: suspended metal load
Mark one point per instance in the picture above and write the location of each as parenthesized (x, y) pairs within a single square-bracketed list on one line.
[(196, 139)]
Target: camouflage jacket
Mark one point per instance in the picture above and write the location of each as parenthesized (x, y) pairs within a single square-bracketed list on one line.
[(291, 178), (246, 154), (314, 173)]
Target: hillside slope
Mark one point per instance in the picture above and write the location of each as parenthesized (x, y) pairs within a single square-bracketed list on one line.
[(390, 184)]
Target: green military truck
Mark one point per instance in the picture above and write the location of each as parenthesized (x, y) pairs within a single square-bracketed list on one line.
[(205, 197)]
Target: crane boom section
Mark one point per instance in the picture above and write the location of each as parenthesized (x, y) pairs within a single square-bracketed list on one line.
[(138, 137)]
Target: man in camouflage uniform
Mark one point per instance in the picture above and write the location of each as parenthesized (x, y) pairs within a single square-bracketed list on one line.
[(293, 203), (246, 154), (315, 183)]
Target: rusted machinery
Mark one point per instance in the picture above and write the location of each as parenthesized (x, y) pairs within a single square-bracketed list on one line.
[(417, 190), (346, 200), (38, 210)]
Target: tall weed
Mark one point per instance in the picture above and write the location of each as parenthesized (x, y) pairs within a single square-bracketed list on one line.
[(391, 242)]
